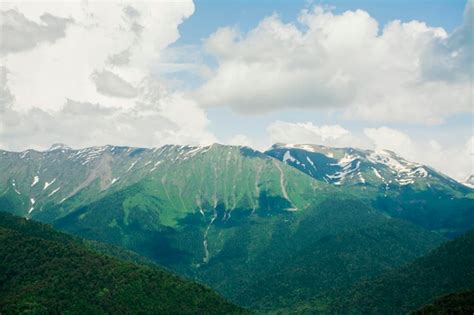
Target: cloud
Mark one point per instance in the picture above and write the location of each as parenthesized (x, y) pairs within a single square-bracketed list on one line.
[(241, 140), (344, 62), (308, 133), (19, 33), (108, 83), (85, 73), (106, 37), (456, 161), (86, 124), (385, 138), (451, 58), (6, 97)]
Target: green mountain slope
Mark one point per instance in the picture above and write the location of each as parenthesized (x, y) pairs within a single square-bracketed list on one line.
[(335, 262), (184, 178), (447, 269), (44, 271)]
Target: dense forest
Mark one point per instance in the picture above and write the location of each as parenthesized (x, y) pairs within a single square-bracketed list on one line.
[(44, 271), (455, 303), (447, 269)]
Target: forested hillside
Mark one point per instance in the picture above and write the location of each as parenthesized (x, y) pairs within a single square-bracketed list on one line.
[(448, 269), (44, 271), (455, 303)]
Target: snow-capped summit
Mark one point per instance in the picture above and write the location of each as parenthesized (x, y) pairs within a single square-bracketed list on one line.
[(351, 166)]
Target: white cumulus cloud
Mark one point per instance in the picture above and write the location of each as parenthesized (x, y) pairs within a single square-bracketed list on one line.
[(346, 62), (87, 72), (308, 133), (456, 161), (385, 138), (242, 140)]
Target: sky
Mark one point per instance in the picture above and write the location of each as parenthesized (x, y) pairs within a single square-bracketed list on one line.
[(370, 74)]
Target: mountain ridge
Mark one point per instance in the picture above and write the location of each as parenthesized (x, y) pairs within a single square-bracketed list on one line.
[(278, 145)]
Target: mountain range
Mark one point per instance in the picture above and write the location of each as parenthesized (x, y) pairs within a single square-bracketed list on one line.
[(49, 184), (268, 230)]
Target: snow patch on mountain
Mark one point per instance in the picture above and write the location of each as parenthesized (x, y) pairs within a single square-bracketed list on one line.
[(132, 165), (311, 162), (47, 184), (35, 181), (386, 158), (14, 187), (24, 154), (88, 155), (347, 160), (54, 191), (347, 169), (406, 172), (377, 173), (32, 202), (155, 166), (288, 157), (193, 151)]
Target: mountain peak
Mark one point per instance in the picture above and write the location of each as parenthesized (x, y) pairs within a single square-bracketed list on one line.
[(358, 167)]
